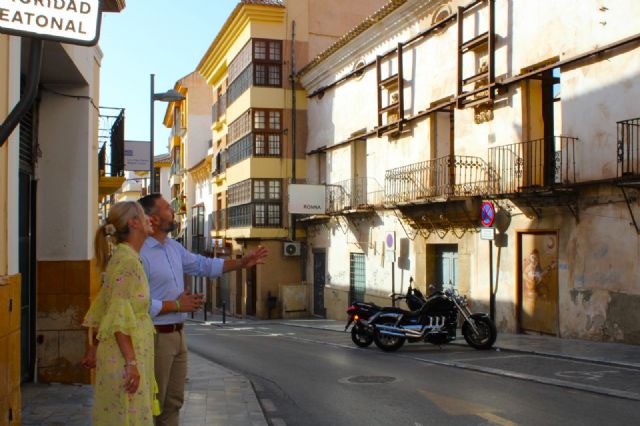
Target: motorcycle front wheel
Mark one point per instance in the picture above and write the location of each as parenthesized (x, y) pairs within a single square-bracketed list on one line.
[(486, 336), (361, 337), (387, 342)]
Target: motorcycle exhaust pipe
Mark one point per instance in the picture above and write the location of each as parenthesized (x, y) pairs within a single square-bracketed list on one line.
[(392, 333), (400, 332)]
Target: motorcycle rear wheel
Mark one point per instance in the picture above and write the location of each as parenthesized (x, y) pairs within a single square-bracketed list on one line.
[(360, 337), (486, 336), (386, 342)]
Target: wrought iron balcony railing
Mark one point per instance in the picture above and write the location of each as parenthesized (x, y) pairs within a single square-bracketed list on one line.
[(533, 164), (629, 148), (111, 140), (449, 176), (354, 193)]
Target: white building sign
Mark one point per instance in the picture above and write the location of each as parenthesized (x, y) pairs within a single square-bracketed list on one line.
[(67, 21), (136, 156), (307, 199)]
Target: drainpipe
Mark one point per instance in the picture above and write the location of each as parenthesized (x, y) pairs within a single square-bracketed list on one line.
[(26, 102), (292, 77)]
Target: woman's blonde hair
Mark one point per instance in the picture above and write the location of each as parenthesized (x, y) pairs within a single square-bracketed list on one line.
[(115, 229)]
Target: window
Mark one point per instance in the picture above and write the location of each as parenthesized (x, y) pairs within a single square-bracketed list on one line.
[(267, 129), (274, 189), (255, 202), (267, 59), (240, 127), (240, 62), (259, 121), (197, 229), (259, 190), (240, 150), (239, 216), (239, 193)]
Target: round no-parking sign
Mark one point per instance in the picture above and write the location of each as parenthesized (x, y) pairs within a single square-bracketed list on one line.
[(488, 213)]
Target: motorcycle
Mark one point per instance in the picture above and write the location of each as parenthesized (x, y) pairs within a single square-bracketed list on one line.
[(435, 322), (360, 313)]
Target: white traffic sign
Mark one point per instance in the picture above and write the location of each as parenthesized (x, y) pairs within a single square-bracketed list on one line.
[(66, 21), (487, 233)]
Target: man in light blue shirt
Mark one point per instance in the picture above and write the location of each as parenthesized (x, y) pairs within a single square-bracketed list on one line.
[(165, 262)]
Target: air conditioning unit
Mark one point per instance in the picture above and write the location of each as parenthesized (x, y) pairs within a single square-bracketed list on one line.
[(291, 248)]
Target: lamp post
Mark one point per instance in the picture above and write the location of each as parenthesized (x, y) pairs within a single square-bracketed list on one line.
[(168, 96)]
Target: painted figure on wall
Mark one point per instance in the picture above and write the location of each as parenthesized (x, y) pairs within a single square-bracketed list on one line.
[(536, 278)]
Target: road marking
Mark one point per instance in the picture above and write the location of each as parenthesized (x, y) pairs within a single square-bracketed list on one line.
[(460, 407), (278, 422), (491, 357), (588, 375)]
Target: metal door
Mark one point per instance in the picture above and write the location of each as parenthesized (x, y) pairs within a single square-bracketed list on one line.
[(538, 282), (319, 268), (357, 283), (446, 266)]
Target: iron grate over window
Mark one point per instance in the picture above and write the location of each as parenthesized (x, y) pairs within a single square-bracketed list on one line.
[(357, 277)]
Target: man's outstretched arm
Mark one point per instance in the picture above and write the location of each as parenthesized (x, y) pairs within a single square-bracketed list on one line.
[(254, 257)]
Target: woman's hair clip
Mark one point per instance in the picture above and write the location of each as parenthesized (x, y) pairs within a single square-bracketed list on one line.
[(109, 229)]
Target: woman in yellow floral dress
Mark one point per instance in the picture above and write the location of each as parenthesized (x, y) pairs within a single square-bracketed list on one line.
[(123, 349)]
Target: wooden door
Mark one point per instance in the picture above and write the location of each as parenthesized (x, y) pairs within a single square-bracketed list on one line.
[(538, 282)]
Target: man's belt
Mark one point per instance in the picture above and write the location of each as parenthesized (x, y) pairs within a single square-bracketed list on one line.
[(168, 328)]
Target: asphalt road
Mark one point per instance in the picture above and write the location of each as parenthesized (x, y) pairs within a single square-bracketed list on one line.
[(306, 376)]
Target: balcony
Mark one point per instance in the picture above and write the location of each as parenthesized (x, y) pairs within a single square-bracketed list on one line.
[(352, 195), (628, 150), (437, 180), (111, 153), (533, 166)]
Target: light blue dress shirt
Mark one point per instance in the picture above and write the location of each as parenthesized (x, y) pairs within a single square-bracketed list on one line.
[(165, 265)]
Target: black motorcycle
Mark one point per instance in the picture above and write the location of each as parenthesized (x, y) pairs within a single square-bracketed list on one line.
[(360, 313), (435, 322)]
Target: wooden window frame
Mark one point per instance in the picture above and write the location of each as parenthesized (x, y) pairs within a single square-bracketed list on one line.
[(268, 63), (267, 132)]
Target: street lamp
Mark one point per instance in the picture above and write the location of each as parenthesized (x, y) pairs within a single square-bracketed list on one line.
[(169, 96)]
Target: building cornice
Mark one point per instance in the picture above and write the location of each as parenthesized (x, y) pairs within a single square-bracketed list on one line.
[(213, 63), (399, 24), (202, 170)]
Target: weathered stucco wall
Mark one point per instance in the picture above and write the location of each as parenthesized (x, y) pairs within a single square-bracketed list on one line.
[(597, 245)]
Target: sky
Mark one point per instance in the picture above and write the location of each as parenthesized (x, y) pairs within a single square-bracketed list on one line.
[(165, 37)]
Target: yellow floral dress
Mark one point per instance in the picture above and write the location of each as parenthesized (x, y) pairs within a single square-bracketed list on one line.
[(122, 305)]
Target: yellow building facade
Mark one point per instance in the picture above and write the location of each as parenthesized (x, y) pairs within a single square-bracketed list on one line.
[(258, 142)]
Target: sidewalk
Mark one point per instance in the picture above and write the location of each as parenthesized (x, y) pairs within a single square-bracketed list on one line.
[(213, 396), (619, 354)]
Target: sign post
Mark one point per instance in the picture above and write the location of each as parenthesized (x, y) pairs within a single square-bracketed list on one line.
[(487, 215)]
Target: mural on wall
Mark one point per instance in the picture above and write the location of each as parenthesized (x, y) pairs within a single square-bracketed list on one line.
[(539, 282)]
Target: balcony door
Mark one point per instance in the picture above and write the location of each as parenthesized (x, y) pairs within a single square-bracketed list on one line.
[(541, 122), (446, 266), (359, 173)]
